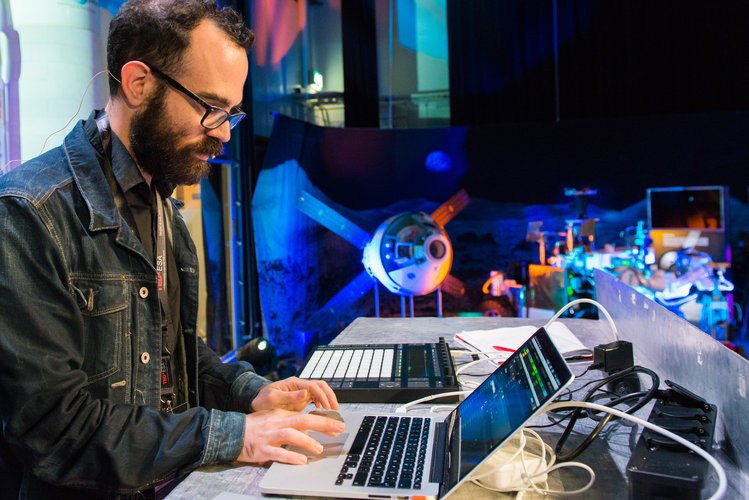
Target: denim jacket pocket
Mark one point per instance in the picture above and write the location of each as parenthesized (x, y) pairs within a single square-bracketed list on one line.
[(103, 305)]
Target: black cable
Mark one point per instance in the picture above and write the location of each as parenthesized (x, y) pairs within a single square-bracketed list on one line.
[(565, 414), (569, 393), (643, 400), (593, 414), (592, 366)]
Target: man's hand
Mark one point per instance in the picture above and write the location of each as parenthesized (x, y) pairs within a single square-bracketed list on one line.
[(266, 431), (294, 394)]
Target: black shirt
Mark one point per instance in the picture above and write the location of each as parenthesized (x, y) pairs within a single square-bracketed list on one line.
[(142, 208)]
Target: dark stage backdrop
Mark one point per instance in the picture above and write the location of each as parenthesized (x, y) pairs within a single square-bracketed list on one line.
[(514, 174), (541, 60), (525, 163)]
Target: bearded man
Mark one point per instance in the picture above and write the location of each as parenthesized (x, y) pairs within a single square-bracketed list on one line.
[(105, 389)]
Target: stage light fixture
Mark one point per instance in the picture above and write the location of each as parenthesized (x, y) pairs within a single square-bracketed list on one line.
[(258, 352)]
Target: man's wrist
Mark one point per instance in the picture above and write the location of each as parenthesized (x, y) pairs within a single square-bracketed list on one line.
[(245, 388), (224, 436)]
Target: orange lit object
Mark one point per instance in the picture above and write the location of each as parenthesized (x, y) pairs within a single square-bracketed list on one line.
[(276, 24)]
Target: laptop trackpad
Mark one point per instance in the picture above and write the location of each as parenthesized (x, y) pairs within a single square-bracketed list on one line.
[(332, 446)]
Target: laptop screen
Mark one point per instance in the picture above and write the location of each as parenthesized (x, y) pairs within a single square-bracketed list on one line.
[(503, 403)]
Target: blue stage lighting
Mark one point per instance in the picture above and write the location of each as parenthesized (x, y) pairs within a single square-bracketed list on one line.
[(437, 161)]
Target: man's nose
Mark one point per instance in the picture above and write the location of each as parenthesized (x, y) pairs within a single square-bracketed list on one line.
[(222, 132)]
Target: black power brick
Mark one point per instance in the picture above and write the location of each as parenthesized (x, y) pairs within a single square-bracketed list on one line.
[(613, 358), (662, 468)]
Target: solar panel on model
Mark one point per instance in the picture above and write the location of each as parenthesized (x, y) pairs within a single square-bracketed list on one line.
[(383, 373)]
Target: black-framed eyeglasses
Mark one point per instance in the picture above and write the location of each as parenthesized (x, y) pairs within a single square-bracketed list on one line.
[(214, 116)]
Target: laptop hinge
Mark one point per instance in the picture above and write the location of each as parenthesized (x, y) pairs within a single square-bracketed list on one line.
[(440, 458)]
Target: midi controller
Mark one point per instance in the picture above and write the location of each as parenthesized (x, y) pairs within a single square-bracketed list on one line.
[(383, 373)]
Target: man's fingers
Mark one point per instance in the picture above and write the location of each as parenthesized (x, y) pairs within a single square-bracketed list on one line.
[(290, 400), (305, 422), (289, 436), (323, 396), (286, 456), (267, 431)]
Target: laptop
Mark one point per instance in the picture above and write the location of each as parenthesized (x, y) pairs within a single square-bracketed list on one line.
[(398, 455)]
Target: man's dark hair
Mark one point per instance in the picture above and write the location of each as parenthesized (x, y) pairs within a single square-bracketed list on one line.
[(158, 32)]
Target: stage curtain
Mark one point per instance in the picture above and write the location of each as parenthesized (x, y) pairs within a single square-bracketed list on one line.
[(501, 57), (359, 33), (613, 58)]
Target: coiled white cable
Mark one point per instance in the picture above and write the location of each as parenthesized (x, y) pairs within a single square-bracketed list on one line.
[(529, 478)]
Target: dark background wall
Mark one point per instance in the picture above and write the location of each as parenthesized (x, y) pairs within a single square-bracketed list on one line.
[(517, 60), (615, 95)]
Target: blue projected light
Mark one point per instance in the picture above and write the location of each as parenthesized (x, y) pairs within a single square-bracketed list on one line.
[(422, 26), (111, 5), (438, 161)]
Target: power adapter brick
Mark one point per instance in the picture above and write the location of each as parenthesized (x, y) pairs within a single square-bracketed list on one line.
[(614, 357)]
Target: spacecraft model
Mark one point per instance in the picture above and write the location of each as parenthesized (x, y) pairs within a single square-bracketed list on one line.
[(409, 254)]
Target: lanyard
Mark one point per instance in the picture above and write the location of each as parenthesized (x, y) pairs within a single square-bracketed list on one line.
[(160, 255)]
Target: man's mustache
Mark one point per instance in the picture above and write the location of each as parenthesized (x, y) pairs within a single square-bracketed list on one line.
[(210, 147)]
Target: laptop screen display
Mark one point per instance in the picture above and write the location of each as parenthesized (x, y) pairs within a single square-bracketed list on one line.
[(504, 402)]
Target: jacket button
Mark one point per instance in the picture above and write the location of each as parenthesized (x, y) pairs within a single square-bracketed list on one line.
[(143, 292), (145, 358)]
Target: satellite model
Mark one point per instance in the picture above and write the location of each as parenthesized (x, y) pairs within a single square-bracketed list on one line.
[(409, 253)]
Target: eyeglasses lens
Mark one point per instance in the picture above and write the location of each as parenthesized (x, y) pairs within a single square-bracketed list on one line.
[(217, 117)]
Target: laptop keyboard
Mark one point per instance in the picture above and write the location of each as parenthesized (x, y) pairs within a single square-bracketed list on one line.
[(388, 452)]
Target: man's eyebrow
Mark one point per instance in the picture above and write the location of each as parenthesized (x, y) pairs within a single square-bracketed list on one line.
[(215, 98)]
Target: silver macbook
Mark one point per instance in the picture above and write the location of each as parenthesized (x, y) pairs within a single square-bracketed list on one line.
[(398, 455)]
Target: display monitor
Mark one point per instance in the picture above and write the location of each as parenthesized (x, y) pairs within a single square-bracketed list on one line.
[(700, 207)]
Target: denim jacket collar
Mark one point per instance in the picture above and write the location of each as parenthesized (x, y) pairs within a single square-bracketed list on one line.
[(86, 159), (85, 154)]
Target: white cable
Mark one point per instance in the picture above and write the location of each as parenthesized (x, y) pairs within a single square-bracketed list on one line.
[(80, 105), (404, 408), (722, 481), (588, 301), (529, 478), (462, 368), (471, 353)]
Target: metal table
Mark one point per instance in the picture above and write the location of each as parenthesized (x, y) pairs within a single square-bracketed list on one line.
[(610, 452)]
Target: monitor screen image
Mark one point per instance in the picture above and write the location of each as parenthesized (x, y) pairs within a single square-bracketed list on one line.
[(687, 207)]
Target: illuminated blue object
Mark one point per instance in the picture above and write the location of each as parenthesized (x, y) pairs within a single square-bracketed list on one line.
[(409, 253), (437, 161), (304, 341), (342, 301), (422, 26), (319, 211)]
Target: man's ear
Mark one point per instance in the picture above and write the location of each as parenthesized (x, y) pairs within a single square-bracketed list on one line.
[(137, 82)]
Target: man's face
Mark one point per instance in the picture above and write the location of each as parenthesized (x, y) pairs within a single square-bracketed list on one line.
[(166, 137), (163, 148)]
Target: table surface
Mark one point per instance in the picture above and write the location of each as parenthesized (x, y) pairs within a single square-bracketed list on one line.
[(607, 456)]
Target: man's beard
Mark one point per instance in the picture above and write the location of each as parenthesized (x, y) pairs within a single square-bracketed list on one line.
[(155, 146)]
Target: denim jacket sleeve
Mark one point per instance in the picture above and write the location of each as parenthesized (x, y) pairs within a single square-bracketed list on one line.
[(54, 422), (227, 386)]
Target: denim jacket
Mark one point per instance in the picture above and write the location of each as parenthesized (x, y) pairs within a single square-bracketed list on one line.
[(80, 342)]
